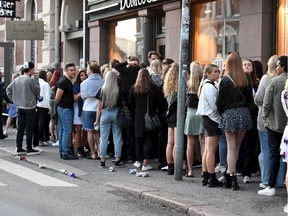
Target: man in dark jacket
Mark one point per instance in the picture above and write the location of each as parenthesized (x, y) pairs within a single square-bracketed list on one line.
[(2, 96)]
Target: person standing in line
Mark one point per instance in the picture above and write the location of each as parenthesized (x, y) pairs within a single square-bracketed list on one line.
[(65, 101), (80, 135), (170, 90), (193, 123), (247, 158), (263, 157), (208, 110), (88, 91), (144, 95), (110, 99), (23, 92), (275, 121), (233, 102), (43, 108), (284, 141), (2, 94)]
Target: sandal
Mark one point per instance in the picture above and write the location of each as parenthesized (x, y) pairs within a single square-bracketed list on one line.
[(189, 176), (92, 158)]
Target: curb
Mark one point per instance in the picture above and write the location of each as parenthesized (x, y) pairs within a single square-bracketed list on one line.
[(178, 203)]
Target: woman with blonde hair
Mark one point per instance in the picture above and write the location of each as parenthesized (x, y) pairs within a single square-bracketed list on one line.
[(211, 118), (193, 123), (110, 99), (170, 90), (155, 71), (234, 98)]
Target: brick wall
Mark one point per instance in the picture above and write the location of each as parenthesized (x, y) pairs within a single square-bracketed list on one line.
[(19, 52)]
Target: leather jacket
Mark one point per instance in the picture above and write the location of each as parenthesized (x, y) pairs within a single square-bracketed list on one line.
[(231, 97)]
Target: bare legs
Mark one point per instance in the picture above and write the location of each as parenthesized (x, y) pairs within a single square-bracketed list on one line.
[(233, 144), (191, 140), (170, 149)]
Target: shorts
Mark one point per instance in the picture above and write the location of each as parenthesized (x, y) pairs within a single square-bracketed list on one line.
[(88, 119), (211, 128)]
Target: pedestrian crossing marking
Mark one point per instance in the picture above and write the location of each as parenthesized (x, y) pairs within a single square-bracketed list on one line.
[(2, 184), (33, 176)]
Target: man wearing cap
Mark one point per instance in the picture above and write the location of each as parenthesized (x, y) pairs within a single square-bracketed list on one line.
[(23, 91)]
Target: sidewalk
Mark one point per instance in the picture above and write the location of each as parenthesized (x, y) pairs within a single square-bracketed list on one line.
[(187, 196)]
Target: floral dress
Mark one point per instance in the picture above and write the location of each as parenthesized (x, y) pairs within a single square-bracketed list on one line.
[(284, 141)]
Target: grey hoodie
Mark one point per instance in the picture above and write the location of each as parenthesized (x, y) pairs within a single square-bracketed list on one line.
[(23, 92)]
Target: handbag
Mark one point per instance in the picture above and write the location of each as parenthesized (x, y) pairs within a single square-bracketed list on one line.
[(151, 122), (124, 117)]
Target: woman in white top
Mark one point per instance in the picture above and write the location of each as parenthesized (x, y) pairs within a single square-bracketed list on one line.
[(211, 118)]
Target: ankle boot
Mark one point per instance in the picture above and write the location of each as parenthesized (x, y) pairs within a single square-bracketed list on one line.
[(227, 181), (213, 181), (205, 179), (234, 182), (170, 170)]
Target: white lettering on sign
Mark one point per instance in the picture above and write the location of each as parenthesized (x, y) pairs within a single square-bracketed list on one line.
[(126, 4), (7, 8)]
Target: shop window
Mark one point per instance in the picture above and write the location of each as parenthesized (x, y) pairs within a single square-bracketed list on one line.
[(282, 27), (123, 39), (216, 30)]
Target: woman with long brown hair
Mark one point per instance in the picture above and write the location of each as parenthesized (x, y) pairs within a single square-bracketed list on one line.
[(235, 96), (140, 92)]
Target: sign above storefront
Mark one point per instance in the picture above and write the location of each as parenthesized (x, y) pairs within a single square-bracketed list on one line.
[(129, 4), (24, 30), (7, 8)]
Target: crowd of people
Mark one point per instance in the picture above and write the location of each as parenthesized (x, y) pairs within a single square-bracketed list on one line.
[(237, 117)]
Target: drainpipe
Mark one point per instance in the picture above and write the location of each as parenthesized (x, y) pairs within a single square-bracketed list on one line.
[(56, 62)]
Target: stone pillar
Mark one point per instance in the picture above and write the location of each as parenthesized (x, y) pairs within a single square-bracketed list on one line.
[(256, 30), (149, 38), (99, 42)]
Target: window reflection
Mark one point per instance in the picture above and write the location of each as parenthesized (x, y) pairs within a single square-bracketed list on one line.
[(216, 30)]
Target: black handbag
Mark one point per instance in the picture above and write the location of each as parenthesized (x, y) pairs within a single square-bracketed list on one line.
[(124, 117), (151, 122)]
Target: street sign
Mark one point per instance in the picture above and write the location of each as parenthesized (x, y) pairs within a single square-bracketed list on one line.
[(24, 30), (7, 8)]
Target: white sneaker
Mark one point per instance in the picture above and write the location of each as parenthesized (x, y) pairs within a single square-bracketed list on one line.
[(50, 142), (146, 168), (164, 168), (38, 149), (220, 168), (261, 185), (246, 179), (56, 143), (221, 179), (286, 208), (137, 164), (267, 191)]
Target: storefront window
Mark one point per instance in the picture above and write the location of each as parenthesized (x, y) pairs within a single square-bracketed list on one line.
[(282, 28), (216, 30), (124, 39)]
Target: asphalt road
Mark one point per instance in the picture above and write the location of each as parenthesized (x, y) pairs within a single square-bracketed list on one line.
[(91, 196)]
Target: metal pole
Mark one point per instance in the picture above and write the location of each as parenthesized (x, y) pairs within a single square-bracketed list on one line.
[(183, 56)]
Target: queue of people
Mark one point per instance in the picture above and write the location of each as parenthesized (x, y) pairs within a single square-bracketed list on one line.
[(232, 116)]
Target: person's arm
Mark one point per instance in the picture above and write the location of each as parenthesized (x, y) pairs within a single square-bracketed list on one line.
[(35, 86), (9, 91), (268, 100), (98, 113), (59, 94), (259, 95), (121, 67)]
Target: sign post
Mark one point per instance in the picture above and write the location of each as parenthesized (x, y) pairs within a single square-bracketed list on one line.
[(182, 90)]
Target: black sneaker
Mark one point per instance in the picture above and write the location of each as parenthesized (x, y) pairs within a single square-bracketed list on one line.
[(20, 151), (32, 152), (102, 164), (119, 164), (3, 136), (69, 157)]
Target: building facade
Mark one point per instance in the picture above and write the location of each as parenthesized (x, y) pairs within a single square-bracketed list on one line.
[(78, 31)]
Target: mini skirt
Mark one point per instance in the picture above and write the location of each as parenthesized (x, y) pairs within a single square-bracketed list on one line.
[(193, 123), (236, 119)]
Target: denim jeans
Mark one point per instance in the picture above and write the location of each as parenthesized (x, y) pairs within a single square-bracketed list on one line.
[(26, 121), (65, 121), (223, 149), (108, 120), (264, 162)]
